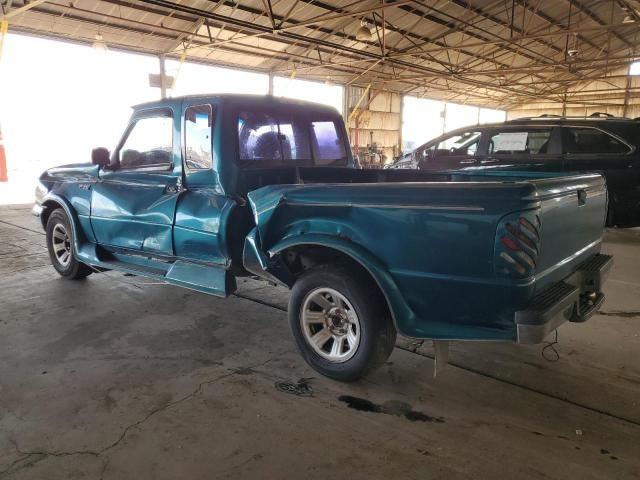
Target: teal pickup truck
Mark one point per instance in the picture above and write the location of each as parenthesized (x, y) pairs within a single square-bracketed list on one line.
[(204, 189)]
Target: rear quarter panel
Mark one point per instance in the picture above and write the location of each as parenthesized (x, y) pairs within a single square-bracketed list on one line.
[(436, 241)]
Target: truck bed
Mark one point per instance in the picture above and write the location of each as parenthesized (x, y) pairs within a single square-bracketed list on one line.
[(443, 237)]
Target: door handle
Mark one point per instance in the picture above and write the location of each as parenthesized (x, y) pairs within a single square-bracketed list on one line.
[(582, 197)]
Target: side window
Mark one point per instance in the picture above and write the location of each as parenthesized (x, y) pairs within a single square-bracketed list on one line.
[(461, 144), (590, 140), (197, 136), (532, 142), (149, 144), (328, 145)]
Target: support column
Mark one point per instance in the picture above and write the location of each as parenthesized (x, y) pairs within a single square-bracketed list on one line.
[(270, 83), (163, 78), (627, 95)]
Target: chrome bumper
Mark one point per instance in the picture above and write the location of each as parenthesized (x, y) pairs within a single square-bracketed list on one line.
[(37, 210), (574, 299)]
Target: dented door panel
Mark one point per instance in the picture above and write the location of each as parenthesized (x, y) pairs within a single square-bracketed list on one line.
[(134, 210)]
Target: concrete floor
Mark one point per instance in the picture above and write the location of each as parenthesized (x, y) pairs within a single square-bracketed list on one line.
[(116, 378)]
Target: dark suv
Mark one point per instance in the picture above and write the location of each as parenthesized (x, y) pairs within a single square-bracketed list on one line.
[(600, 143)]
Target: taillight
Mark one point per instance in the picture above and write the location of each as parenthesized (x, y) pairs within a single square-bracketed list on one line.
[(518, 244)]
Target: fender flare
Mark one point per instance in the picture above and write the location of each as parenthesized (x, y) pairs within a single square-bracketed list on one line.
[(71, 215), (401, 313)]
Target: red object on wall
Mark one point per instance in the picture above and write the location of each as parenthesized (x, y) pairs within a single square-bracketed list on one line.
[(3, 162)]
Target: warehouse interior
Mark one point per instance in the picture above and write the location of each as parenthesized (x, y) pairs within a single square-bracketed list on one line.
[(121, 377)]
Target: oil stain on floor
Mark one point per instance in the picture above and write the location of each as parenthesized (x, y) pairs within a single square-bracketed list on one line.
[(399, 409)]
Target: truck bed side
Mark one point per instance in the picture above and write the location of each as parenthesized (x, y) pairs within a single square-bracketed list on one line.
[(438, 241)]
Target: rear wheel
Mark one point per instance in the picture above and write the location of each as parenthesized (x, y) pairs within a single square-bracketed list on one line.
[(60, 245), (340, 322)]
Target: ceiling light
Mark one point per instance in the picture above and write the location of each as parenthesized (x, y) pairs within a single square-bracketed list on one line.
[(99, 43), (364, 33), (573, 52), (628, 19)]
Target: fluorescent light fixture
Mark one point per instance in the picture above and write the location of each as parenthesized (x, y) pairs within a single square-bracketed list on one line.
[(99, 43), (634, 68)]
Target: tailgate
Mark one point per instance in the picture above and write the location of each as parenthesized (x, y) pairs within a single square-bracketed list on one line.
[(567, 226)]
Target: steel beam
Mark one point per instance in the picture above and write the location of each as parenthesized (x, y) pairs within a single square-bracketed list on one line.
[(17, 11)]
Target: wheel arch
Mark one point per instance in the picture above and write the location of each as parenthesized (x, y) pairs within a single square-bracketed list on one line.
[(318, 248), (51, 203)]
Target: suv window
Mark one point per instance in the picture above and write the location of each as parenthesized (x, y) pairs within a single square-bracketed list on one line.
[(461, 144), (522, 141), (197, 136), (148, 144), (590, 140)]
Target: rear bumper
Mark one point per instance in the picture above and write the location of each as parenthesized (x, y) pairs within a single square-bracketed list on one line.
[(574, 299)]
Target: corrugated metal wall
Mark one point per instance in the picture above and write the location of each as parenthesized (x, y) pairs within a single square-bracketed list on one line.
[(375, 125), (618, 95)]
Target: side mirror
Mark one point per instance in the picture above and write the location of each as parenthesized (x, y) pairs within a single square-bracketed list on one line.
[(100, 156)]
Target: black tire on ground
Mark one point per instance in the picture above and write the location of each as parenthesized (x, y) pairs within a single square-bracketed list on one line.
[(65, 262), (377, 334), (611, 218)]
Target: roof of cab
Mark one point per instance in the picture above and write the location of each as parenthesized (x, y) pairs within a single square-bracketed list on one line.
[(240, 99)]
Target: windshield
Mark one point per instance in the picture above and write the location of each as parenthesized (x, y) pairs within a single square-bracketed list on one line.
[(284, 138)]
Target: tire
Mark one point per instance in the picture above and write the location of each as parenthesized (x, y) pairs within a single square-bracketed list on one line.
[(352, 327), (60, 246), (611, 217)]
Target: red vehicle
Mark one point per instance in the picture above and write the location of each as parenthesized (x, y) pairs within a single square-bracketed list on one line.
[(3, 161)]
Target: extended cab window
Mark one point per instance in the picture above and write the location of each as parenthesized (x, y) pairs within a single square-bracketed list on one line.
[(590, 140), (273, 137), (532, 142), (149, 143), (197, 136), (286, 138), (328, 145)]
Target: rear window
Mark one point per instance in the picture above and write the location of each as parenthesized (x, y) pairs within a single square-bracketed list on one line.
[(590, 140), (627, 131), (282, 138)]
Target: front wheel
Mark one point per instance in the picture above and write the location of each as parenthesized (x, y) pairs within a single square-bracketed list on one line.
[(60, 245), (340, 322)]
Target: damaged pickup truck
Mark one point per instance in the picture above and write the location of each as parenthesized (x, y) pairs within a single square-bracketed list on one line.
[(202, 190)]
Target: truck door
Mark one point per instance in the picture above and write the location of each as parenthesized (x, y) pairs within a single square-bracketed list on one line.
[(134, 202), (203, 210)]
